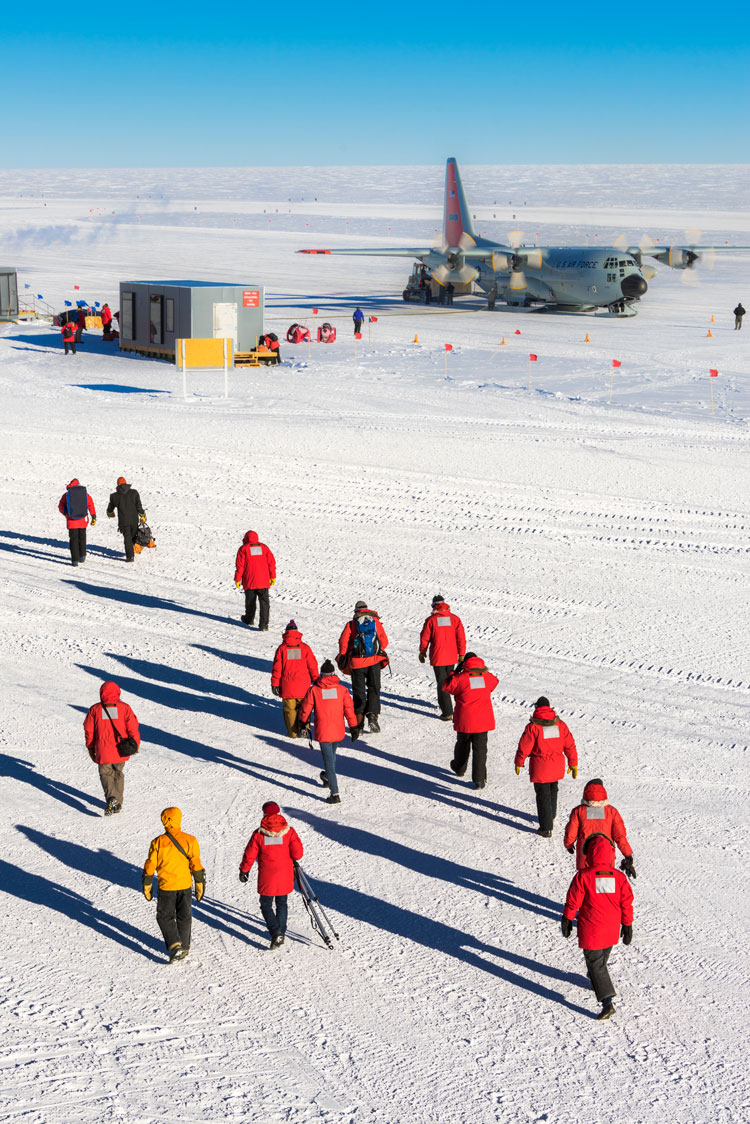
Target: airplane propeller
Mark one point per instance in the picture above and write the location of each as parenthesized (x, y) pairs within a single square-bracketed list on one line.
[(521, 257), (454, 267)]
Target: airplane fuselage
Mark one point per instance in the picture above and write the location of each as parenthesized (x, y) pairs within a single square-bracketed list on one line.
[(574, 276)]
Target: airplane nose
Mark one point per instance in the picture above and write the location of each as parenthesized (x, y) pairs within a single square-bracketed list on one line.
[(633, 286)]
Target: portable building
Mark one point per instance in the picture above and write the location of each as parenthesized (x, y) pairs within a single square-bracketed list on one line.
[(155, 314), (8, 293)]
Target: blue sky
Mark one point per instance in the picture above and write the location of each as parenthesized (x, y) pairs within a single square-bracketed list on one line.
[(235, 84)]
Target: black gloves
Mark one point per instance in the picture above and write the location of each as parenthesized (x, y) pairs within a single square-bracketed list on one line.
[(276, 691), (626, 866), (244, 875), (626, 933), (566, 927), (354, 732), (422, 657), (148, 887), (571, 848)]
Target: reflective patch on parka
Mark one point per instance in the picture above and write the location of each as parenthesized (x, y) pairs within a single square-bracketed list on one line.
[(476, 682), (443, 622), (294, 653), (605, 885), (256, 550), (594, 813), (270, 841), (550, 731), (329, 693)]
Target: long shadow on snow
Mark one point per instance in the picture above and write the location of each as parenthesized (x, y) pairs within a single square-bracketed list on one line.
[(147, 601), (350, 765), (430, 865), (241, 706), (444, 938), (250, 663), (18, 770), (103, 864), (59, 544), (36, 890)]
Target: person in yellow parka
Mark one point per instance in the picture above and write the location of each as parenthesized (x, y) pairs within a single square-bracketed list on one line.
[(175, 858)]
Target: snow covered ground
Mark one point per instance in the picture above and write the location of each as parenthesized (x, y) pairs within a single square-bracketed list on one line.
[(597, 553)]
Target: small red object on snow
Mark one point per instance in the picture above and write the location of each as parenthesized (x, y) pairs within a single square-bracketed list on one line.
[(713, 373), (373, 319), (358, 335), (532, 357), (518, 331), (315, 312), (76, 286), (449, 347), (616, 363)]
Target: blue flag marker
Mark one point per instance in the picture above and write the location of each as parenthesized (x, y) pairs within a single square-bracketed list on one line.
[(68, 304)]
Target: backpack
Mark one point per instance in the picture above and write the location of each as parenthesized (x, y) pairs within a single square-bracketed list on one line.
[(365, 640), (77, 502), (143, 535)]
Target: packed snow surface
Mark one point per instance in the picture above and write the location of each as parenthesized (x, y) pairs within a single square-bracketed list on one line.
[(597, 552)]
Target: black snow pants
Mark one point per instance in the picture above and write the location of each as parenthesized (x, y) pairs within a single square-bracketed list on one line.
[(77, 537), (174, 915), (546, 804), (476, 745), (366, 690), (445, 701), (598, 973), (253, 597), (129, 532)]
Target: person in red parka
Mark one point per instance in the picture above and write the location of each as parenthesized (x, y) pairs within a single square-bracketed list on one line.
[(80, 324), (106, 317), (596, 815), (68, 333), (603, 900), (362, 653), (103, 731), (443, 635), (277, 847), (77, 505), (549, 742), (293, 672), (255, 572), (472, 685), (330, 704)]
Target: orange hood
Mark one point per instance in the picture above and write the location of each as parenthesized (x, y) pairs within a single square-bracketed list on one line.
[(172, 819)]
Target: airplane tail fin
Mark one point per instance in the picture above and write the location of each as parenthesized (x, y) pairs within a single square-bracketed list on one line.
[(456, 218)]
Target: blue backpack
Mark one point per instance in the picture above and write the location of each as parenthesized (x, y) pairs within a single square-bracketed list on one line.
[(365, 642), (78, 502)]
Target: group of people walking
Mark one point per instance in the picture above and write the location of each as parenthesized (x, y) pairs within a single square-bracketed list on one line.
[(78, 508), (317, 703)]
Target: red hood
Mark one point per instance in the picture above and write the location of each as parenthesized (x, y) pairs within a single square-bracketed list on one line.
[(545, 713), (474, 664), (293, 637), (73, 483), (594, 792), (275, 823), (109, 693), (442, 607), (328, 681), (250, 538), (600, 852)]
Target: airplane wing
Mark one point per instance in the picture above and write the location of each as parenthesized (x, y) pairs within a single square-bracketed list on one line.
[(386, 251)]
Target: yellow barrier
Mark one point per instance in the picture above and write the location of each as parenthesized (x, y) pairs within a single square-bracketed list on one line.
[(204, 353), (93, 322)]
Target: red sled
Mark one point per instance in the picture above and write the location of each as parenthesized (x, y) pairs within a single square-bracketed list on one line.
[(298, 334), (326, 333)]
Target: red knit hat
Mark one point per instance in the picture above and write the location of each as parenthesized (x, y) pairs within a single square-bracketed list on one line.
[(595, 790), (121, 480), (270, 808)]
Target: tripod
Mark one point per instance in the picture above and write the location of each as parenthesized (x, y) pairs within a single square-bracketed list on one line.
[(318, 916)]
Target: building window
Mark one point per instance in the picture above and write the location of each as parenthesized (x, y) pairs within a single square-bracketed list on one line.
[(169, 316), (127, 316), (156, 320)]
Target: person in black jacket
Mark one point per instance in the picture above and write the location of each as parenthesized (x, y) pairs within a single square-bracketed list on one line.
[(129, 510), (739, 312)]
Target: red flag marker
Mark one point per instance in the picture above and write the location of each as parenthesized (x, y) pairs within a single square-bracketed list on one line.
[(315, 312), (532, 357), (616, 363), (374, 319), (713, 373), (449, 347), (518, 331), (76, 286)]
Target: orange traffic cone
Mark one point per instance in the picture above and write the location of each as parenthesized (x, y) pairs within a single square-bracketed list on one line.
[(587, 340), (713, 320), (416, 339), (502, 342), (709, 335)]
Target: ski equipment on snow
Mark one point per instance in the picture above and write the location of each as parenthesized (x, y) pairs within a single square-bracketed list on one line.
[(318, 916)]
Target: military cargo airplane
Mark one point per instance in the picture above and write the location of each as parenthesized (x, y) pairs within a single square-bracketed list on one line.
[(567, 278)]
